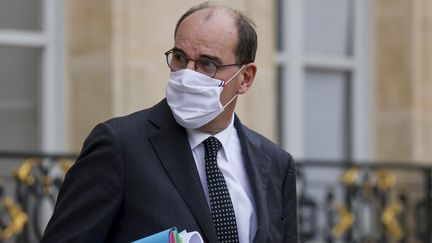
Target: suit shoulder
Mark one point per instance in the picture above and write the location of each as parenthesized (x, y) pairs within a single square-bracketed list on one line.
[(267, 145), (137, 116), (156, 115)]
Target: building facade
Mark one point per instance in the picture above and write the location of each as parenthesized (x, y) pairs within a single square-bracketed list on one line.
[(338, 80)]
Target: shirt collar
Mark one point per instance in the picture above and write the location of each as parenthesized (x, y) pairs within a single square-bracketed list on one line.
[(196, 137)]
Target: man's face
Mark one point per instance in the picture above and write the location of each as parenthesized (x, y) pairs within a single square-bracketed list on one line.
[(213, 38)]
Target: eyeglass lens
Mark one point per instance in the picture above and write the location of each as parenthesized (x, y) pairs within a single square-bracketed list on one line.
[(177, 61)]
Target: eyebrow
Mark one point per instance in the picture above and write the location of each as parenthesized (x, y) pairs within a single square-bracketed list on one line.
[(214, 58), (207, 56), (176, 49)]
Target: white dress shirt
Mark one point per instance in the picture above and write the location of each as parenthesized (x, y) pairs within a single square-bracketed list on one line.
[(231, 162)]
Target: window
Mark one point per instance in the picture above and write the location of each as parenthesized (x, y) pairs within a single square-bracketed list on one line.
[(31, 76), (324, 82)]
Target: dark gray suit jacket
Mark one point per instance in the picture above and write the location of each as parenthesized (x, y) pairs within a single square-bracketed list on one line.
[(136, 176)]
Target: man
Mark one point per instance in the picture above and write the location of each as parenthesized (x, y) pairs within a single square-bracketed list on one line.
[(155, 169)]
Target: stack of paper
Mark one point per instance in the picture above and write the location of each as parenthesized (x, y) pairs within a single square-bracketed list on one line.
[(172, 236)]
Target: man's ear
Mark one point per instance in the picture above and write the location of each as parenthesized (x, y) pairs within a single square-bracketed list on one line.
[(249, 72)]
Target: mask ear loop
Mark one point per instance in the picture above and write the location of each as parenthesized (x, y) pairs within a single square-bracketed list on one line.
[(231, 100), (229, 80), (223, 83)]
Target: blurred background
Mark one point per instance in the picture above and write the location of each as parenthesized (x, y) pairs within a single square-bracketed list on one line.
[(342, 85)]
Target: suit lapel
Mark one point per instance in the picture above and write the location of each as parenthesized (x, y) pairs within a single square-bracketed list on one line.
[(258, 166), (172, 146)]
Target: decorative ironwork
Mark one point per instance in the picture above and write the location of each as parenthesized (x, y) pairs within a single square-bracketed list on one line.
[(36, 182), (365, 203), (358, 203)]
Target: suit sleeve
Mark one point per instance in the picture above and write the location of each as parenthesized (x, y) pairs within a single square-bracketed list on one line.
[(290, 204), (91, 193)]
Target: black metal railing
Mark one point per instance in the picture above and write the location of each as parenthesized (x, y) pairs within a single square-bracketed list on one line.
[(29, 183), (364, 202), (339, 201)]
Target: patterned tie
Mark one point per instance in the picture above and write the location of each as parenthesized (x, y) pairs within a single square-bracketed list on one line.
[(220, 201)]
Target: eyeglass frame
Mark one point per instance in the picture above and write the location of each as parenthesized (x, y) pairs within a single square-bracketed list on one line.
[(218, 66)]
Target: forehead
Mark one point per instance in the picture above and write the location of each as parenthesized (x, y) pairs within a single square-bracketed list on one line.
[(208, 32)]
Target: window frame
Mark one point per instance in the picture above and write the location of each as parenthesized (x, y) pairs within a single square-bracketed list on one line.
[(51, 108), (293, 62)]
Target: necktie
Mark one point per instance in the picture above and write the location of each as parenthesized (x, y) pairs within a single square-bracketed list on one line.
[(220, 201)]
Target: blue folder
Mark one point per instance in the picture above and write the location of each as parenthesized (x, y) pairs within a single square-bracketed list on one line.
[(161, 237)]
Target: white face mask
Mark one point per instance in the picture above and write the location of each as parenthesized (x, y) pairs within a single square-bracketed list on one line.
[(194, 98)]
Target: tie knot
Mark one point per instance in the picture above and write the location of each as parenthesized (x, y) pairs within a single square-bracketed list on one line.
[(212, 145)]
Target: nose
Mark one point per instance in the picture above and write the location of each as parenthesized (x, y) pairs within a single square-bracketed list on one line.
[(190, 64)]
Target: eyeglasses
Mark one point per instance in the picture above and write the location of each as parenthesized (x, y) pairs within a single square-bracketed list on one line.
[(177, 61)]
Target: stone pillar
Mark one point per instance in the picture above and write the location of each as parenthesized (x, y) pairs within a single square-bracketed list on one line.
[(422, 124), (89, 66), (403, 80)]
